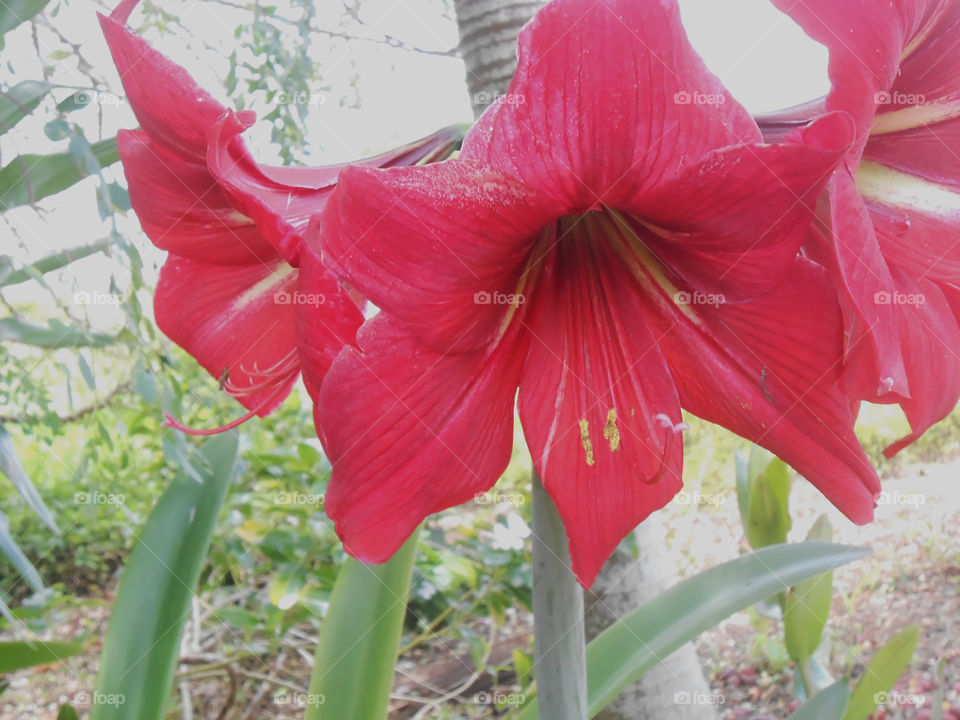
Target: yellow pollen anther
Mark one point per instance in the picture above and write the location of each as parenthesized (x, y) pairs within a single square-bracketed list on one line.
[(611, 432), (585, 440)]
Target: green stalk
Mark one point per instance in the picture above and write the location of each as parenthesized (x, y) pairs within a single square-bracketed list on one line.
[(560, 663), (353, 668)]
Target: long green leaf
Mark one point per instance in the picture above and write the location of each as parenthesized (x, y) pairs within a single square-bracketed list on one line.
[(17, 655), (15, 12), (807, 605), (626, 650), (53, 335), (768, 505), (56, 261), (11, 467), (354, 665), (29, 178), (828, 704), (10, 548), (19, 101), (882, 673), (143, 637), (67, 713)]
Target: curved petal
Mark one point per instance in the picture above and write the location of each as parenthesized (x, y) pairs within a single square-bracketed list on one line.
[(327, 318), (237, 321), (767, 369), (931, 341), (733, 223), (925, 94), (436, 246), (851, 254), (609, 99), (917, 221), (281, 200), (597, 402), (182, 208), (410, 431), (866, 41), (892, 65), (172, 109), (280, 210)]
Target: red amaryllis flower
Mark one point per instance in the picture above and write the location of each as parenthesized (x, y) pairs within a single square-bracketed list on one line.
[(230, 289), (615, 240), (892, 212)]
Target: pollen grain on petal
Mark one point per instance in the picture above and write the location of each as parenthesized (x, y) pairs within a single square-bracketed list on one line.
[(585, 441), (611, 432)]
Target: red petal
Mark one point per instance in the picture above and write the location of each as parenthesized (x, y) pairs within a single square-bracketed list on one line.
[(931, 342), (768, 370), (182, 209), (597, 402), (852, 256), (280, 210), (733, 223), (917, 221), (436, 246), (866, 40), (171, 107), (234, 318), (609, 99), (410, 432), (281, 200), (323, 328), (925, 94)]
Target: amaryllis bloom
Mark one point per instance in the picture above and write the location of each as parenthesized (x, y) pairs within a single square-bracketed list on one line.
[(230, 291), (891, 231), (616, 241)]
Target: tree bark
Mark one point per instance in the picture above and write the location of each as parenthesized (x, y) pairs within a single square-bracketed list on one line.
[(488, 38), (488, 44)]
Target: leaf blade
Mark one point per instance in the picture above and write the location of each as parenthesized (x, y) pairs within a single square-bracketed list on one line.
[(29, 178), (882, 673), (18, 655), (354, 665), (143, 636), (623, 652), (830, 702)]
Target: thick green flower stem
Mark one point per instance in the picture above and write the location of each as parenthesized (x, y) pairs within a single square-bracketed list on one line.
[(353, 667), (560, 664)]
